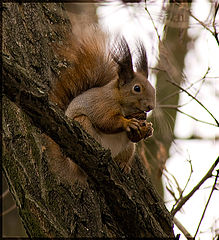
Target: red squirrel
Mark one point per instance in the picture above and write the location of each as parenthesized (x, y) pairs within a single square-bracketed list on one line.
[(101, 91)]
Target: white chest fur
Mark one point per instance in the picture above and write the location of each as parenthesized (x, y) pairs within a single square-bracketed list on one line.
[(115, 142)]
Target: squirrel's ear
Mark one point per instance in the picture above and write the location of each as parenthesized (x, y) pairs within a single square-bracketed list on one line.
[(142, 62), (122, 56)]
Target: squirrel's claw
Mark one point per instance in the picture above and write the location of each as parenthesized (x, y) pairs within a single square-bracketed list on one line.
[(133, 124)]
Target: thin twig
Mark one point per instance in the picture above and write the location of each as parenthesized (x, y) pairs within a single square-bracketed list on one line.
[(214, 25), (189, 94), (189, 178), (9, 210), (172, 193), (197, 137), (196, 119), (152, 20), (193, 97), (178, 92), (172, 82), (212, 190), (187, 197), (175, 180), (188, 115), (214, 33), (182, 228), (4, 193), (199, 21), (190, 86)]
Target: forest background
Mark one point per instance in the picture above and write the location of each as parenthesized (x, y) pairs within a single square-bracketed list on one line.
[(179, 40)]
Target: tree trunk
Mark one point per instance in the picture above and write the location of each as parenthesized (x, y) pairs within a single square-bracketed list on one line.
[(172, 52), (112, 204)]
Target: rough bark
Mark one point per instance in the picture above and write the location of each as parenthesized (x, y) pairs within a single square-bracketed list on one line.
[(112, 204)]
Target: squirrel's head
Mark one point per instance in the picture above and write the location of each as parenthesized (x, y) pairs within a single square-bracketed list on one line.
[(136, 92)]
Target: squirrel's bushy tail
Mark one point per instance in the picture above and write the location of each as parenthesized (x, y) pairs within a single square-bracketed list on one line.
[(90, 64)]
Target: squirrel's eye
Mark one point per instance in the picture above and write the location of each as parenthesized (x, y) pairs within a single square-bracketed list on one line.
[(137, 88)]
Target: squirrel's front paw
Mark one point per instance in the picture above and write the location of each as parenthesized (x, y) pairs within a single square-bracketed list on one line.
[(132, 124), (145, 131)]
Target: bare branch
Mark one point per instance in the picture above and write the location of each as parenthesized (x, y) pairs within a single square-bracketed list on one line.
[(190, 86), (199, 21), (196, 119), (5, 193), (193, 97), (214, 33), (197, 137), (158, 36), (182, 228), (172, 193), (187, 197), (189, 94), (189, 178), (175, 180), (9, 210), (212, 190), (173, 82), (188, 115), (214, 25)]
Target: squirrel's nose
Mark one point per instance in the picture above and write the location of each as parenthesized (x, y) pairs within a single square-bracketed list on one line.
[(149, 107)]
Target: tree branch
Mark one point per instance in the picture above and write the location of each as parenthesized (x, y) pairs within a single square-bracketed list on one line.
[(189, 94), (182, 229), (187, 197), (213, 188)]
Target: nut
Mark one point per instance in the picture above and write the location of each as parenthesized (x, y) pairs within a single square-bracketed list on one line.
[(138, 116), (145, 131)]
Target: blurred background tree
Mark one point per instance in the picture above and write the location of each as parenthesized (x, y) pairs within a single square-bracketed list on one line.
[(172, 51)]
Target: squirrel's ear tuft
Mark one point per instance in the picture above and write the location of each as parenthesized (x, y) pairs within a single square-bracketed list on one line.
[(142, 62), (122, 56)]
